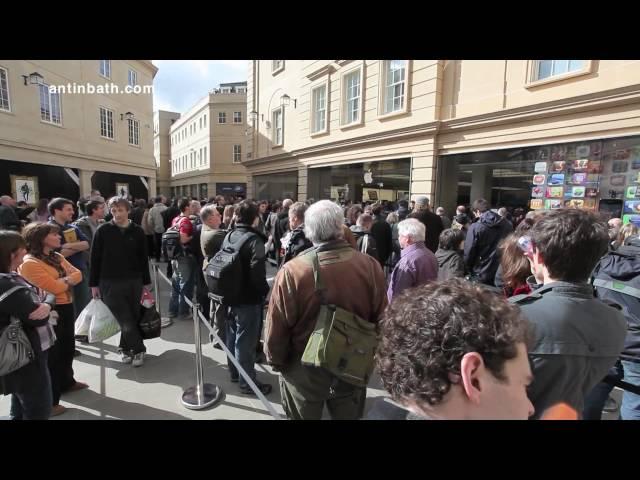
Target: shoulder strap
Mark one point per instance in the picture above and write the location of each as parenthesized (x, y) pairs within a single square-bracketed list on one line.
[(620, 287), (9, 292), (317, 279)]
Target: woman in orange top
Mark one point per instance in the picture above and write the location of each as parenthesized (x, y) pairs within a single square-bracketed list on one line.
[(51, 272)]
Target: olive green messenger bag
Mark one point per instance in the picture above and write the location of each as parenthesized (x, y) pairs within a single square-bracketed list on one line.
[(342, 342)]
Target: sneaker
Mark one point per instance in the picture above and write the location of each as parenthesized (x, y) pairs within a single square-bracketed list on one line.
[(138, 359), (265, 388), (166, 322), (57, 410), (126, 358)]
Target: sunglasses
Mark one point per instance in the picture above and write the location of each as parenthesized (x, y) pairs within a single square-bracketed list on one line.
[(526, 245)]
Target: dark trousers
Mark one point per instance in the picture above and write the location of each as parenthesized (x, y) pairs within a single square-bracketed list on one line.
[(305, 390), (218, 313), (33, 401), (202, 292), (61, 354), (151, 245), (122, 296), (158, 247)]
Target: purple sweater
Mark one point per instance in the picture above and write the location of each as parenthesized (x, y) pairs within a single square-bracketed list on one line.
[(417, 265)]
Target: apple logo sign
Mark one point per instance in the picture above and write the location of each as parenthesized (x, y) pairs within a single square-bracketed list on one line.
[(368, 177)]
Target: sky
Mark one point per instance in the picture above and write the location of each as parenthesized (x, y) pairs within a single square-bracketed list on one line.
[(179, 84)]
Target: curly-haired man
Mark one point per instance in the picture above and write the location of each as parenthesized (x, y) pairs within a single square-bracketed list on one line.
[(453, 351)]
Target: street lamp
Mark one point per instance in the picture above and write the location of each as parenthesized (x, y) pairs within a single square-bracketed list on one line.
[(34, 79)]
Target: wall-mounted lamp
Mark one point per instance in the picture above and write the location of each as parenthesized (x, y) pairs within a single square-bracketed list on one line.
[(285, 101), (128, 115), (34, 79)]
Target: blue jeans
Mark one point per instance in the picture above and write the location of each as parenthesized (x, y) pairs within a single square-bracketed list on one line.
[(630, 409), (243, 330), (34, 400), (184, 269)]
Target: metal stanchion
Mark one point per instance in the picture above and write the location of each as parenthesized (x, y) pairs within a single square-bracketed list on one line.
[(201, 395), (157, 289)]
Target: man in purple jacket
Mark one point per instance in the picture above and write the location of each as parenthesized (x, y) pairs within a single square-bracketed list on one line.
[(418, 265)]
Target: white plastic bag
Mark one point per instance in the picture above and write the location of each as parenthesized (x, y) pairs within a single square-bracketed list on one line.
[(83, 322), (103, 324)]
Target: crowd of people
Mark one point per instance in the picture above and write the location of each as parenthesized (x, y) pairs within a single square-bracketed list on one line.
[(487, 314)]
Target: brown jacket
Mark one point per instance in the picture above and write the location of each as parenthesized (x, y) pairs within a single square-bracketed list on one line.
[(354, 281), (348, 236)]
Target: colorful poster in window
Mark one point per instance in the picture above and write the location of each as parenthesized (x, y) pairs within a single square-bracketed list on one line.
[(556, 179), (536, 204), (589, 203), (632, 192), (540, 167), (555, 192), (632, 206), (621, 154), (553, 204), (557, 167), (578, 178), (571, 153), (595, 167), (539, 179), (537, 192), (577, 192), (619, 167), (583, 151), (590, 192), (635, 219), (122, 190), (580, 165), (574, 203), (617, 180), (634, 178)]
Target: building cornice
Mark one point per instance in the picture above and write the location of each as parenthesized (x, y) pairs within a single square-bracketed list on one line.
[(75, 155)]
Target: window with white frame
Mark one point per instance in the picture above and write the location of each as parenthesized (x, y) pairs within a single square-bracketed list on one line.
[(394, 82), (5, 104), (276, 117), (205, 120), (551, 68), (200, 122), (237, 117), (133, 78), (277, 66), (105, 68), (237, 153), (201, 157), (106, 123), (134, 131), (241, 90), (222, 117), (319, 108), (49, 106), (352, 97)]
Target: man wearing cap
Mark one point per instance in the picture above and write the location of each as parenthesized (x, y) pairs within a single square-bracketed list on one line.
[(431, 221)]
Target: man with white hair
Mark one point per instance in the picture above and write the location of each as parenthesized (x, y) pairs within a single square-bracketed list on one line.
[(418, 265), (446, 222), (348, 280)]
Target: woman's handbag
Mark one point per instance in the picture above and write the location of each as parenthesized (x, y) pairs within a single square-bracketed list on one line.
[(15, 348), (150, 323)]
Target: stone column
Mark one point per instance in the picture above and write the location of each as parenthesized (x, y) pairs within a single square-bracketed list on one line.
[(152, 187), (302, 184), (85, 182)]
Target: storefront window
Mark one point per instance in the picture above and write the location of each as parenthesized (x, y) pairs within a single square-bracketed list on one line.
[(599, 175), (276, 186), (361, 182)]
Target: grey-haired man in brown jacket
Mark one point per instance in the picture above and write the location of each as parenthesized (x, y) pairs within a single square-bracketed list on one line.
[(353, 281)]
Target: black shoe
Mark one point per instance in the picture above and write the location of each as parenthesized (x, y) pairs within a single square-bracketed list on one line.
[(260, 358), (82, 338), (77, 353), (217, 346), (265, 388)]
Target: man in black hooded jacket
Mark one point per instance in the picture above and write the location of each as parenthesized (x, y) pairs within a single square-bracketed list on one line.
[(481, 244)]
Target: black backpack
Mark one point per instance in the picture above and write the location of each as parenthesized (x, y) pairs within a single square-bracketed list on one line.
[(224, 272)]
